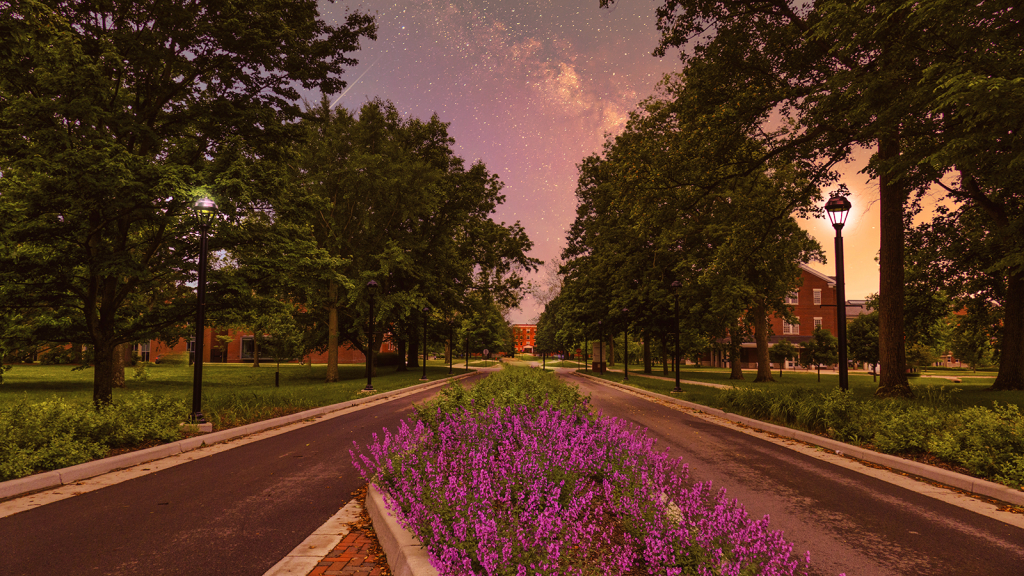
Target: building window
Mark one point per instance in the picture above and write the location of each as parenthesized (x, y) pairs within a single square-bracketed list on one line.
[(142, 351), (817, 323), (793, 298), (817, 296), (191, 348), (247, 347), (788, 328)]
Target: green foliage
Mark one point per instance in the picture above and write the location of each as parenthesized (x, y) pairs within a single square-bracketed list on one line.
[(989, 442), (919, 355), (821, 350), (782, 351), (862, 338), (512, 386), (59, 433), (387, 359)]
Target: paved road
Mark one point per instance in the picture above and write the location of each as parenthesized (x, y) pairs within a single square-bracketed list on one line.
[(234, 513), (849, 522)]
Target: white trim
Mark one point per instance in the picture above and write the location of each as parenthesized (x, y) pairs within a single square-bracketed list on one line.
[(831, 281)]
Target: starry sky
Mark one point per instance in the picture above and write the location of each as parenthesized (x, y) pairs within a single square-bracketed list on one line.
[(531, 87)]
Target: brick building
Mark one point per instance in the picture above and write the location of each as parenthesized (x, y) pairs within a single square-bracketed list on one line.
[(525, 337), (813, 305), (236, 346)]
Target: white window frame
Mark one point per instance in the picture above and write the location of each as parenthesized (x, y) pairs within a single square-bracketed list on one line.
[(791, 329), (817, 296), (793, 298), (817, 323)]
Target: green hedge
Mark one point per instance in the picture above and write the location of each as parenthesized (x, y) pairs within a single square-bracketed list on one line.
[(512, 386), (989, 442), (58, 433)]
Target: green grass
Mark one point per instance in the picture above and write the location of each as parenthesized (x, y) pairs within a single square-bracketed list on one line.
[(969, 392), (233, 394)]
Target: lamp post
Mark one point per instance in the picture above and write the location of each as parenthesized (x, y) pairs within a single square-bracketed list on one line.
[(451, 348), (205, 210), (675, 290), (371, 289), (837, 208), (600, 326), (625, 345), (426, 311)]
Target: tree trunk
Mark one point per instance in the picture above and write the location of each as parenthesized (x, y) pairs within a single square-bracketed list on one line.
[(414, 347), (400, 347), (256, 351), (103, 373), (764, 366), (1011, 353), (611, 351), (76, 353), (117, 367), (647, 351), (332, 332), (891, 346), (664, 355), (735, 339)]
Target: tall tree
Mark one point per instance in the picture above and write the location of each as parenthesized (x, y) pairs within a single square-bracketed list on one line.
[(110, 114)]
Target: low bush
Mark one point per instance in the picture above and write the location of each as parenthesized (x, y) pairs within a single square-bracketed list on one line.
[(512, 386), (500, 480), (989, 442), (387, 359), (59, 433)]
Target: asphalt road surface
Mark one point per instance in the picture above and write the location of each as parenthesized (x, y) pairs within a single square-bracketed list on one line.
[(240, 511), (237, 512), (850, 523)]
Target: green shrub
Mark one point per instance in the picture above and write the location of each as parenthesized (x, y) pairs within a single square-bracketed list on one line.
[(387, 359), (512, 386), (988, 442), (58, 433)]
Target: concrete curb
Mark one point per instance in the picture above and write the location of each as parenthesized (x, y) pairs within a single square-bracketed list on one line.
[(953, 479), (406, 556), (56, 478), (305, 557)]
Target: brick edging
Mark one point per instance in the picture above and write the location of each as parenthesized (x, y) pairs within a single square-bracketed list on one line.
[(56, 478), (947, 477)]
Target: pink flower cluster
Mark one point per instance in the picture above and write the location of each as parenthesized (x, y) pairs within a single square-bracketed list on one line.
[(517, 491)]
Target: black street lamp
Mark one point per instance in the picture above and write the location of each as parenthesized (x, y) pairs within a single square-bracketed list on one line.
[(371, 289), (426, 311), (451, 347), (604, 352), (205, 210), (837, 208), (625, 345), (675, 290)]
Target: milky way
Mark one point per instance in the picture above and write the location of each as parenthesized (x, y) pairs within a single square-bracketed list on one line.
[(531, 88)]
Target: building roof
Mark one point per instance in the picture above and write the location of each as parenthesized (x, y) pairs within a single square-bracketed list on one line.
[(831, 281)]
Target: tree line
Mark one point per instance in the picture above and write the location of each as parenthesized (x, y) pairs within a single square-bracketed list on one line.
[(115, 117), (775, 89)]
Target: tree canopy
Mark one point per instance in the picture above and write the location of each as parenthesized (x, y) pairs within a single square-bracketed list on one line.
[(112, 115)]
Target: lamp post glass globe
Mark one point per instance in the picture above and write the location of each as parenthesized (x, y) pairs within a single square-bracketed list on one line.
[(838, 208), (205, 209)]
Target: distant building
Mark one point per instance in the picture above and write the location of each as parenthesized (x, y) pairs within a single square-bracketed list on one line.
[(525, 337), (813, 305), (237, 346)]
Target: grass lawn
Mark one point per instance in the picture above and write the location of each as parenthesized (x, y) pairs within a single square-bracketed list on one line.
[(233, 394), (971, 392)]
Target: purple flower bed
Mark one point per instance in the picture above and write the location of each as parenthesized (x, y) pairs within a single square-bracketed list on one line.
[(518, 491)]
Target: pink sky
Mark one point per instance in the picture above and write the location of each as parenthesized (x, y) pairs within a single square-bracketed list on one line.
[(532, 87)]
